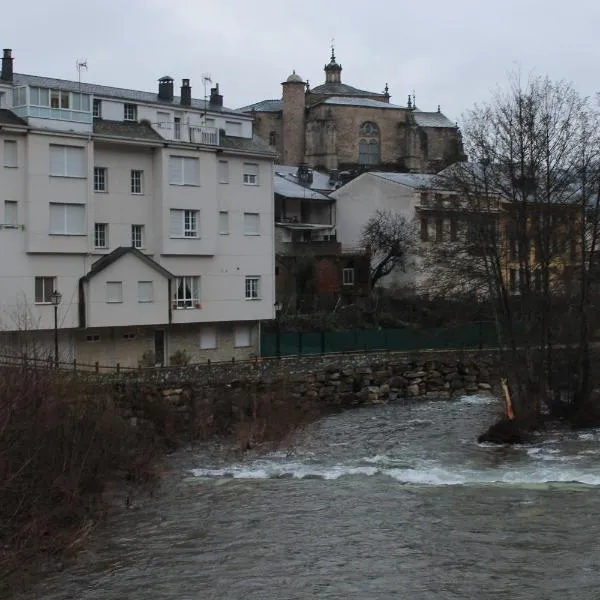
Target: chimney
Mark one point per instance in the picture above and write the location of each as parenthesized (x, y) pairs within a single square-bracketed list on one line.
[(186, 93), (7, 65), (216, 99), (165, 88)]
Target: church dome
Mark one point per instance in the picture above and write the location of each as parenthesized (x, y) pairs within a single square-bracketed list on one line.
[(294, 78)]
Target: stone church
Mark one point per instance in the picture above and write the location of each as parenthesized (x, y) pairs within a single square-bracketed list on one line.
[(336, 126)]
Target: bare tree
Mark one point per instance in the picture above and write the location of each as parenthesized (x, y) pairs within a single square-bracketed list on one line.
[(529, 213), (389, 236)]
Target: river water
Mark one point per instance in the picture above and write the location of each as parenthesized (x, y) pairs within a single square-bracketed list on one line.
[(396, 501)]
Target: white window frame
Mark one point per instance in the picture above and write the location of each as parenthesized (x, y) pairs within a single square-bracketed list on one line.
[(114, 292), (67, 220), (11, 213), (48, 287), (11, 154), (145, 292), (96, 108), (242, 336), (208, 337), (250, 174), (251, 223), (100, 235), (348, 276), (100, 179), (184, 170), (189, 286), (252, 287), (72, 159), (187, 221), (130, 112), (137, 236), (136, 183), (223, 222)]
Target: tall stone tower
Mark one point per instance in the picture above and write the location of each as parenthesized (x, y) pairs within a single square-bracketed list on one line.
[(293, 120)]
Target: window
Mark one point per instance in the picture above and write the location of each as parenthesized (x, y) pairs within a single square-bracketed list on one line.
[(163, 120), (184, 223), (223, 223), (129, 336), (368, 145), (137, 236), (97, 109), (223, 171), (233, 128), (184, 170), (20, 96), (100, 235), (67, 161), (44, 288), (251, 224), (453, 229), (11, 158), (348, 276), (114, 292), (177, 128), (272, 138), (250, 174), (137, 181), (11, 217), (187, 292), (67, 219), (100, 179), (424, 229), (208, 338), (93, 338), (242, 336), (130, 112), (439, 230), (145, 291), (252, 287), (59, 99)]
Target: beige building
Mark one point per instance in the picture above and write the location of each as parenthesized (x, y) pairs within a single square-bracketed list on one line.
[(337, 126), (150, 213)]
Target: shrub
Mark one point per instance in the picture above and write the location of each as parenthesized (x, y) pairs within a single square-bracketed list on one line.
[(180, 358)]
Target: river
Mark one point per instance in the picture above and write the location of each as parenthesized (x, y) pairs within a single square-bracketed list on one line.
[(395, 501)]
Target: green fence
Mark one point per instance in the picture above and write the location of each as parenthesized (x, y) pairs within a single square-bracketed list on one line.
[(473, 335)]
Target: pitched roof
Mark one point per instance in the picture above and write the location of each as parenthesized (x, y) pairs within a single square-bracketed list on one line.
[(263, 106), (284, 187), (7, 117), (359, 101), (341, 89), (105, 91), (321, 181), (125, 129), (432, 119), (413, 180), (254, 144), (116, 254)]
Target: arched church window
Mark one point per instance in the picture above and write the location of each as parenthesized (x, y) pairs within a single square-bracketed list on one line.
[(368, 145)]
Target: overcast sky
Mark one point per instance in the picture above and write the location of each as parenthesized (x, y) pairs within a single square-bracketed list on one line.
[(449, 53)]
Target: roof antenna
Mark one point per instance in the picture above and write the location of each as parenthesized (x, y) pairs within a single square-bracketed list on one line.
[(206, 79), (80, 64)]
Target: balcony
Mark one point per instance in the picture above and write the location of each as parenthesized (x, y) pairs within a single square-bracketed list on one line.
[(309, 248), (209, 136)]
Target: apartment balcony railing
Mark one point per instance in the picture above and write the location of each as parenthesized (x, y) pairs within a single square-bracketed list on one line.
[(204, 135)]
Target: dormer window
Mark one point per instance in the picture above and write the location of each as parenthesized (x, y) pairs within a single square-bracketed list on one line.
[(130, 112)]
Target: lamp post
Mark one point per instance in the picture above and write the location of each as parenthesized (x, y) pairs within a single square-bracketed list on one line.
[(55, 298)]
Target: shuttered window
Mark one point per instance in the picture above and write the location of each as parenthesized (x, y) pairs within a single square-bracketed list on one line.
[(67, 219), (184, 170), (67, 161)]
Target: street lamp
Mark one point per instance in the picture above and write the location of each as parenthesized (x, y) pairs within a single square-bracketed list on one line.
[(55, 298)]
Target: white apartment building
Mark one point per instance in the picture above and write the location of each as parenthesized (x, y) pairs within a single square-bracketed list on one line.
[(151, 214)]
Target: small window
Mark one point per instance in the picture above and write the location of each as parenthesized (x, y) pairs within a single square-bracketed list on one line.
[(251, 224), (114, 292), (208, 337), (242, 336), (129, 336), (184, 223), (177, 128), (93, 337), (145, 291), (101, 235), (163, 120), (453, 229), (184, 170), (439, 230), (97, 109), (250, 176), (130, 112), (348, 276), (223, 223), (424, 229), (44, 288), (223, 171), (11, 217), (187, 292), (272, 138), (100, 179), (67, 219), (137, 236), (233, 128), (252, 287), (137, 181), (11, 158)]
